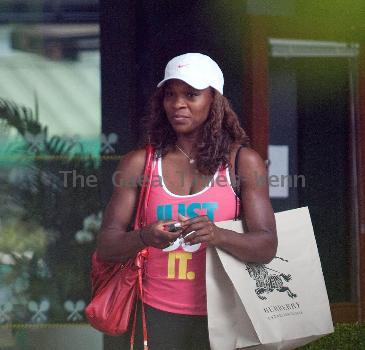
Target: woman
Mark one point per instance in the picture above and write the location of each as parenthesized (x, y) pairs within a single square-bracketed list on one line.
[(196, 136)]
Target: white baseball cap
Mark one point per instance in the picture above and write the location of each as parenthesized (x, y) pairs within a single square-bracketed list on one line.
[(195, 69)]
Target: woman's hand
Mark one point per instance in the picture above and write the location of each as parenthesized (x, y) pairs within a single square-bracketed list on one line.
[(155, 235), (200, 229)]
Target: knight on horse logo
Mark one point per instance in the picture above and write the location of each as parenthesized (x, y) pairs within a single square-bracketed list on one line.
[(266, 282)]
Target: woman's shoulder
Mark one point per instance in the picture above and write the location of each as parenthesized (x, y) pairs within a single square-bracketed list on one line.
[(246, 154), (247, 158), (137, 155), (133, 162)]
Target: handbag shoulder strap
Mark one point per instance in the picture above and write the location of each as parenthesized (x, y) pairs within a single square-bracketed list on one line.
[(145, 188)]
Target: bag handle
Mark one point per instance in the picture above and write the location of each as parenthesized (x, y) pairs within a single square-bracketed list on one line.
[(237, 189)]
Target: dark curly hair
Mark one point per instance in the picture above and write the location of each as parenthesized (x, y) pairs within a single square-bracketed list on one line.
[(220, 132)]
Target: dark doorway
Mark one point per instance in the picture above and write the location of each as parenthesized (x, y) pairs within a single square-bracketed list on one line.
[(310, 113)]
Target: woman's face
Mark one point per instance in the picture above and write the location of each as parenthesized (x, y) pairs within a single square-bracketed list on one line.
[(186, 108)]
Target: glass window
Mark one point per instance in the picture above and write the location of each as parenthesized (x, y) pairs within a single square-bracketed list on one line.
[(50, 122)]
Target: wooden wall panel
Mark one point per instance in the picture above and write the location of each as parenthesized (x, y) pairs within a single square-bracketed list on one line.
[(256, 85), (344, 312)]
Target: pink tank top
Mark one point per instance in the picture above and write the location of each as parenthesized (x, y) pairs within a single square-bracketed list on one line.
[(174, 278)]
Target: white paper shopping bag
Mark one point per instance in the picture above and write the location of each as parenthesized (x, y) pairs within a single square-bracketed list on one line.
[(280, 305)]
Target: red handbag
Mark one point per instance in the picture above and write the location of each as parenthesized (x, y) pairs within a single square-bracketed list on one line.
[(115, 286)]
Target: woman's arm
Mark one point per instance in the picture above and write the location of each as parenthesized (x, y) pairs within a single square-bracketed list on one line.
[(115, 242), (259, 244)]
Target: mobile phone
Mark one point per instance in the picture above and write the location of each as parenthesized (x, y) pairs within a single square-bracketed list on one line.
[(173, 227)]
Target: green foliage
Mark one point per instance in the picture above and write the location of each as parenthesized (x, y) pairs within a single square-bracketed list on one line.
[(18, 237), (20, 117), (46, 215), (347, 336)]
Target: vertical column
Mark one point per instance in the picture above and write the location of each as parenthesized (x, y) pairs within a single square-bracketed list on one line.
[(118, 81), (361, 177), (256, 84)]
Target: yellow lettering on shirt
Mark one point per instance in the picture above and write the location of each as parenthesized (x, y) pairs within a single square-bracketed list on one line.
[(182, 258)]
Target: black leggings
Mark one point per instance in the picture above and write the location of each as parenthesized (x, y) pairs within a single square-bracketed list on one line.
[(167, 331)]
